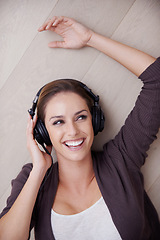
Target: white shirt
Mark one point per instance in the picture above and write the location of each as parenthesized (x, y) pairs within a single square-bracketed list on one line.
[(94, 223)]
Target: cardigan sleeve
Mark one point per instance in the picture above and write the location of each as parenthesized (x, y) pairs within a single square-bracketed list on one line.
[(17, 185), (142, 124)]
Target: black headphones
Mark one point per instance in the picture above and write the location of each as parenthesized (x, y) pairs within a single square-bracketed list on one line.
[(40, 132)]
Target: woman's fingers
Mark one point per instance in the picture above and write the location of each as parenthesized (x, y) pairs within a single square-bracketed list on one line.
[(34, 120), (31, 143), (74, 34), (44, 25), (54, 22), (29, 131), (29, 126), (57, 44), (51, 23)]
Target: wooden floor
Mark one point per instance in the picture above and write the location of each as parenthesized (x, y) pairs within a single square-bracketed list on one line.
[(26, 64)]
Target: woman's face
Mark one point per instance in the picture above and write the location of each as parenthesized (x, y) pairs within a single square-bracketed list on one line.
[(69, 124)]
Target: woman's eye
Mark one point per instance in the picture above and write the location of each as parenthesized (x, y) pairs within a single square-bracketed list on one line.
[(81, 117), (58, 122)]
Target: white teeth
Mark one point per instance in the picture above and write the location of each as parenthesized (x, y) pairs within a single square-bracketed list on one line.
[(74, 143)]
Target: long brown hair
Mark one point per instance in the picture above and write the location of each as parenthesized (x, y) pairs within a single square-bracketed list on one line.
[(57, 86)]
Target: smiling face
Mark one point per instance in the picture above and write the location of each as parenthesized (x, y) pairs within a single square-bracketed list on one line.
[(69, 123)]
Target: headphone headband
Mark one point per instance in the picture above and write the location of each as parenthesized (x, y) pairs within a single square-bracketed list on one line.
[(90, 93), (34, 105), (88, 90)]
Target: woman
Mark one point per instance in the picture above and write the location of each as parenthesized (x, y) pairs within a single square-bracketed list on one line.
[(87, 195)]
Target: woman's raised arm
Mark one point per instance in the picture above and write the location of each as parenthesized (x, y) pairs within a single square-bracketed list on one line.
[(75, 35), (134, 60)]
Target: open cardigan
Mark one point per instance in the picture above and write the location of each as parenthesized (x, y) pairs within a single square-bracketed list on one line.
[(117, 171)]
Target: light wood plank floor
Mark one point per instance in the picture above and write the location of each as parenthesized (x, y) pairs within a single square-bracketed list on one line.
[(26, 64)]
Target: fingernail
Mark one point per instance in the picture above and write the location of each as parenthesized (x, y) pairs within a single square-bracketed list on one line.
[(53, 24), (47, 27)]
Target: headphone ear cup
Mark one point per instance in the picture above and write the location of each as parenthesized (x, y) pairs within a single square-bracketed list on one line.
[(40, 133), (102, 121), (98, 119), (95, 119)]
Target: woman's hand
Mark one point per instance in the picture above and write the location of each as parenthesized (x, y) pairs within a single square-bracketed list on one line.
[(41, 160), (74, 34)]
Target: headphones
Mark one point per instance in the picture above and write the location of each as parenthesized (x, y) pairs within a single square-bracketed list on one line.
[(40, 132)]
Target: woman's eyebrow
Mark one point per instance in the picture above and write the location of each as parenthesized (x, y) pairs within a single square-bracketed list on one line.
[(61, 116), (84, 110)]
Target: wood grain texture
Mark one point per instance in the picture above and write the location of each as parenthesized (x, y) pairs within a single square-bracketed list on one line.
[(19, 23), (27, 63)]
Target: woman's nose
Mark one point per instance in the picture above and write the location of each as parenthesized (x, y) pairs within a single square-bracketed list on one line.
[(72, 129)]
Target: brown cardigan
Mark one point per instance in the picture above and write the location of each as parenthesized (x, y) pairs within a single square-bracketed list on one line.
[(117, 170)]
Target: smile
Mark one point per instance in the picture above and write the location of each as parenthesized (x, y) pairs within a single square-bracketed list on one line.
[(74, 144)]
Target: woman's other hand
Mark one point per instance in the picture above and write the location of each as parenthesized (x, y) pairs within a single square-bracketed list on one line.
[(74, 34), (41, 160)]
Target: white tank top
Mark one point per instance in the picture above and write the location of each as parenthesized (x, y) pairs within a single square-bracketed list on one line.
[(94, 223)]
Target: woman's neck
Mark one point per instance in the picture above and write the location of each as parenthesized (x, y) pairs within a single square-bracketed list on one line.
[(76, 174)]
